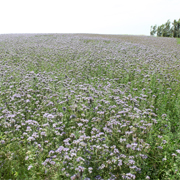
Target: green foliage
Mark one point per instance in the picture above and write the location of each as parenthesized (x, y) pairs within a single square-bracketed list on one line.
[(176, 28), (167, 30), (178, 40), (153, 30)]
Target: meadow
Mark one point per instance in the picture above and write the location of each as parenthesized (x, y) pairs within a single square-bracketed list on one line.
[(84, 106)]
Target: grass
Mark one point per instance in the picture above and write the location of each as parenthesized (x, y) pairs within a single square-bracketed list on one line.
[(81, 107), (178, 40)]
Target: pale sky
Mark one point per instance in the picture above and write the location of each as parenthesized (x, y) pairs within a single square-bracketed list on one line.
[(86, 16)]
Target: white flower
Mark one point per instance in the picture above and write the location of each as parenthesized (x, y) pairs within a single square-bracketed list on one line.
[(29, 167), (90, 169), (147, 177)]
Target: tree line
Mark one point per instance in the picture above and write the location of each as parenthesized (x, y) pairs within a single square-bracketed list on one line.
[(167, 30)]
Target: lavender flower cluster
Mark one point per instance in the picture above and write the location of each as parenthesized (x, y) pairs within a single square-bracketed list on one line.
[(73, 104)]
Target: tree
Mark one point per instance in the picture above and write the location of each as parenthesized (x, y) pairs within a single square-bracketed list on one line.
[(165, 30), (160, 31), (176, 28), (153, 30)]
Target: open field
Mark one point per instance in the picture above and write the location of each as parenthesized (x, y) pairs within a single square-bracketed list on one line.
[(86, 106)]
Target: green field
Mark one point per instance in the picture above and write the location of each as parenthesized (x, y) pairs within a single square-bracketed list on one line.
[(83, 106), (178, 40)]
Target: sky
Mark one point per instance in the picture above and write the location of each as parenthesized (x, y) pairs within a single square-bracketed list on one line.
[(134, 17)]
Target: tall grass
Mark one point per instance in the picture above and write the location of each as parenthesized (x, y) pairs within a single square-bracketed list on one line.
[(80, 107)]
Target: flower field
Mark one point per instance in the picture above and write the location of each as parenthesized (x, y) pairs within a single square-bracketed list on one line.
[(83, 106)]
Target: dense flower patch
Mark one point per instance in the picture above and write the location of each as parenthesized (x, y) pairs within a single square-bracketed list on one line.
[(89, 107)]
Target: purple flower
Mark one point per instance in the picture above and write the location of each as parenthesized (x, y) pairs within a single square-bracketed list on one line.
[(73, 177), (61, 148), (2, 142), (72, 116), (98, 177), (52, 162), (43, 133), (131, 161), (119, 162), (31, 139), (51, 152)]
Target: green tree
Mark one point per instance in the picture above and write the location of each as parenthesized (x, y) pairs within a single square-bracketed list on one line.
[(176, 28), (160, 30), (167, 31), (153, 30)]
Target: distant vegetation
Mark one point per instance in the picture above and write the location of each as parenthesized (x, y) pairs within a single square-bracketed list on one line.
[(167, 29)]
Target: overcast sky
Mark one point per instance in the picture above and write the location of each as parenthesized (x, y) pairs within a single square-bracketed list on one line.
[(86, 16)]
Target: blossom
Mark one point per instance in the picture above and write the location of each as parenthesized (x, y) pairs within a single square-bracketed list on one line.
[(90, 170), (29, 167)]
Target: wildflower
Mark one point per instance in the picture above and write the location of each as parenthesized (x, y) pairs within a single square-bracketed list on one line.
[(79, 124), (128, 175), (2, 142), (164, 141), (131, 175), (27, 101), (51, 152), (128, 132), (102, 166), (50, 116), (31, 139), (29, 167), (80, 169), (43, 134), (163, 116), (131, 161), (52, 162), (64, 109), (60, 114), (72, 116), (143, 156), (132, 167), (73, 177), (28, 128), (80, 159), (98, 177), (119, 162), (90, 170)]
